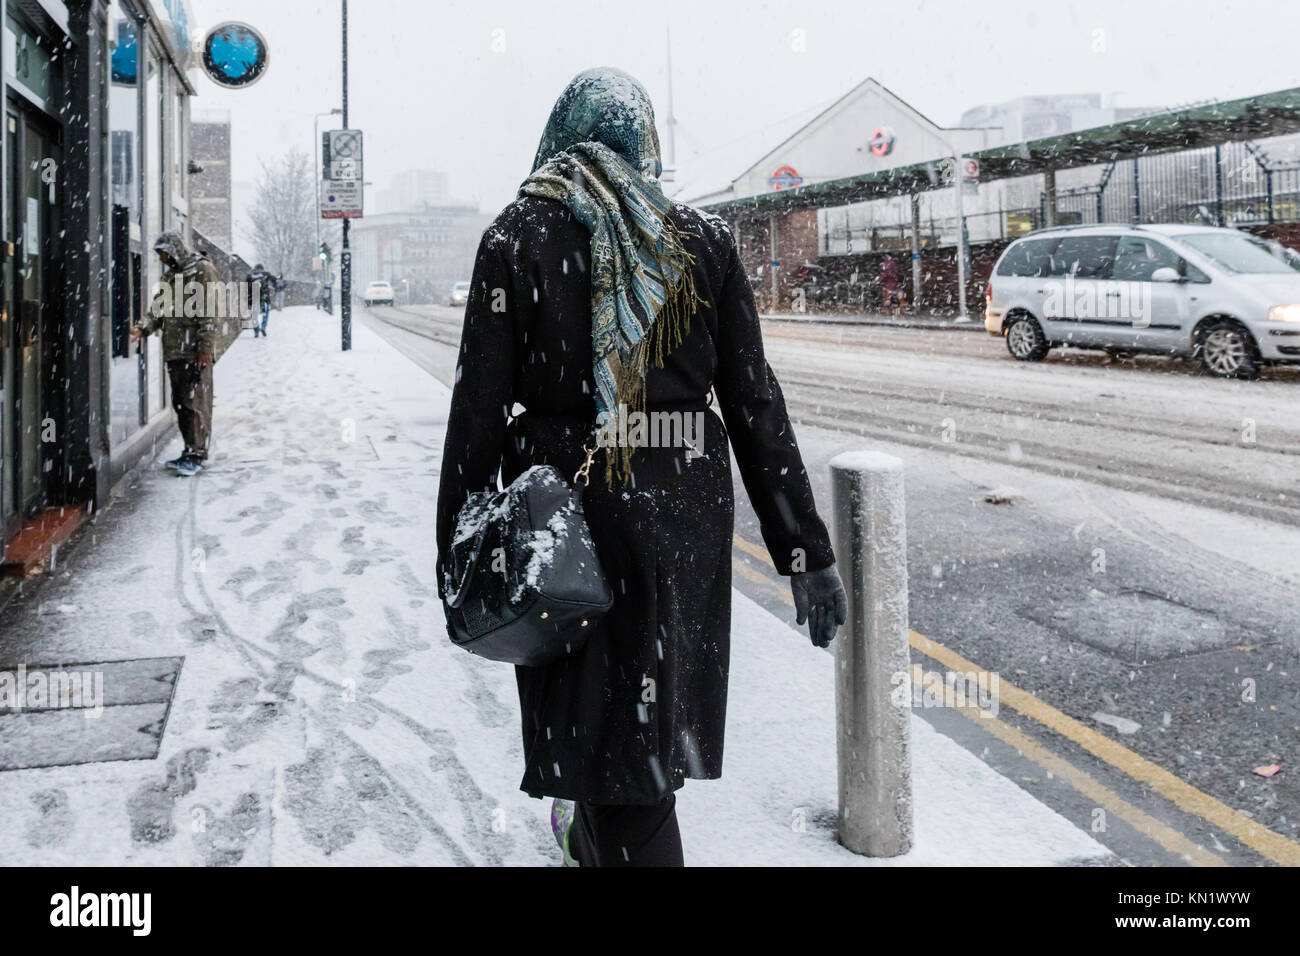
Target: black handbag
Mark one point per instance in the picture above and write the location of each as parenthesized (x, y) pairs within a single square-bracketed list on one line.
[(523, 583)]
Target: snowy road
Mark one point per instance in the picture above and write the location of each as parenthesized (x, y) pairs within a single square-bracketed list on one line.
[(1147, 567), (1141, 426)]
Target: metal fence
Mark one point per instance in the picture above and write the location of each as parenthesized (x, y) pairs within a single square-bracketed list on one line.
[(1235, 184)]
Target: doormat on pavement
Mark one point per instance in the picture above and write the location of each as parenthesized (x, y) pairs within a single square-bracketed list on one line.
[(64, 714)]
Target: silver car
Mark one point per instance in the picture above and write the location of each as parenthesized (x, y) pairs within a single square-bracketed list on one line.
[(1221, 295), (459, 294)]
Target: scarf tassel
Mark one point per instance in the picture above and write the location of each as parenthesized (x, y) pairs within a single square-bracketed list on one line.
[(670, 327)]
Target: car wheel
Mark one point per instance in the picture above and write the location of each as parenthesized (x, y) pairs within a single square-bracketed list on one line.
[(1228, 351), (1025, 339)]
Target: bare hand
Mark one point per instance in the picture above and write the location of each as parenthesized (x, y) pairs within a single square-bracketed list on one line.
[(205, 359), (136, 333)]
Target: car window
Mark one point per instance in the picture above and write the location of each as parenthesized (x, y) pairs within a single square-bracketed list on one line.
[(1084, 257), (1235, 252), (1028, 257), (1285, 254), (1137, 257)]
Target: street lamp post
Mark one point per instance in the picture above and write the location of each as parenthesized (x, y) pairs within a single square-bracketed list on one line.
[(315, 152), (345, 255)]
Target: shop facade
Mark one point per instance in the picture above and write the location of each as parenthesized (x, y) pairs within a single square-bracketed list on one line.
[(95, 166)]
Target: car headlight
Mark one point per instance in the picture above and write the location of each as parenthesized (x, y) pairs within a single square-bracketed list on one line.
[(1285, 313)]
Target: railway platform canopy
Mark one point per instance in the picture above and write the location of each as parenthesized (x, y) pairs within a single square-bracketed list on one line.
[(1214, 124)]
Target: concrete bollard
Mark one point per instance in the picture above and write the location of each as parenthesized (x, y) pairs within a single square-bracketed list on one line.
[(874, 733)]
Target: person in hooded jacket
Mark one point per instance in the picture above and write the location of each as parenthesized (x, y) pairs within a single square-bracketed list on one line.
[(188, 324), (261, 284), (592, 292)]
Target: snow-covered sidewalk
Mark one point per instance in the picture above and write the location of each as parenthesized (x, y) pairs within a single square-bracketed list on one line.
[(320, 714)]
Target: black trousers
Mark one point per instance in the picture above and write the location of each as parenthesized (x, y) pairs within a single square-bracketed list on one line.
[(192, 402), (626, 835)]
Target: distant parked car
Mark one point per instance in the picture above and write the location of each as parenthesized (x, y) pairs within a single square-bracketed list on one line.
[(459, 294), (1220, 295), (378, 293)]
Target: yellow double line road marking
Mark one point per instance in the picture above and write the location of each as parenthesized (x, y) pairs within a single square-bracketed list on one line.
[(1268, 844)]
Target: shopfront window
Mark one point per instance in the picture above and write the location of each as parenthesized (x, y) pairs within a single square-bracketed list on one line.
[(155, 207), (153, 144), (27, 60), (124, 111), (179, 157), (126, 411)]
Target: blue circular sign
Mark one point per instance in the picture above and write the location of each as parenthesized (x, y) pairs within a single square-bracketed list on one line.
[(235, 55)]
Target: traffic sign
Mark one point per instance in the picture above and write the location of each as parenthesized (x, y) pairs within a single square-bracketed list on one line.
[(341, 191), (341, 144), (341, 199), (341, 154)]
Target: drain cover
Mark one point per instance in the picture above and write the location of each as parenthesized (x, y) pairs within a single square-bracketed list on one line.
[(62, 714)]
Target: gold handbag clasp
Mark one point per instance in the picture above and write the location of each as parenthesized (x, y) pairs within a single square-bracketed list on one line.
[(585, 470)]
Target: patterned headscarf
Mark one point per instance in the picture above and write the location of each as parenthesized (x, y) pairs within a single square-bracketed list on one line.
[(599, 155)]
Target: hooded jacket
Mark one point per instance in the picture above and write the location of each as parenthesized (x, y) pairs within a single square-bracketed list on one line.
[(261, 282), (188, 321)]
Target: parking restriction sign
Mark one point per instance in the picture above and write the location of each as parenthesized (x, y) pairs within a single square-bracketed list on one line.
[(341, 190), (340, 199)]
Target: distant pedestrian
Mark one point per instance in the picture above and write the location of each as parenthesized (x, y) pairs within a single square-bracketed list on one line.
[(261, 290), (891, 283), (594, 293), (189, 342)]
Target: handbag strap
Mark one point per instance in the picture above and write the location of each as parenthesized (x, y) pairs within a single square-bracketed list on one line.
[(584, 471)]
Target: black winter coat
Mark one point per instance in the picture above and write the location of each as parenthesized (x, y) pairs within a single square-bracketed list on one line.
[(643, 705), (266, 288)]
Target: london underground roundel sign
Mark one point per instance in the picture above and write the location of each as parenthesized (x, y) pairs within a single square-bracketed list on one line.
[(882, 140), (784, 178), (235, 55)]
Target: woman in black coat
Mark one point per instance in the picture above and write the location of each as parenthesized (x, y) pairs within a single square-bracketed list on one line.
[(618, 726)]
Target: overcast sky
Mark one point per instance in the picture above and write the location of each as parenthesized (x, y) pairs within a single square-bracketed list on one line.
[(429, 90)]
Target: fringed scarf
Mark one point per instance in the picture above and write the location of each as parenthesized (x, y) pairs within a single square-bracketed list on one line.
[(599, 156)]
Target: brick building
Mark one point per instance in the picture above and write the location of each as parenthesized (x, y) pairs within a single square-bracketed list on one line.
[(210, 193)]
